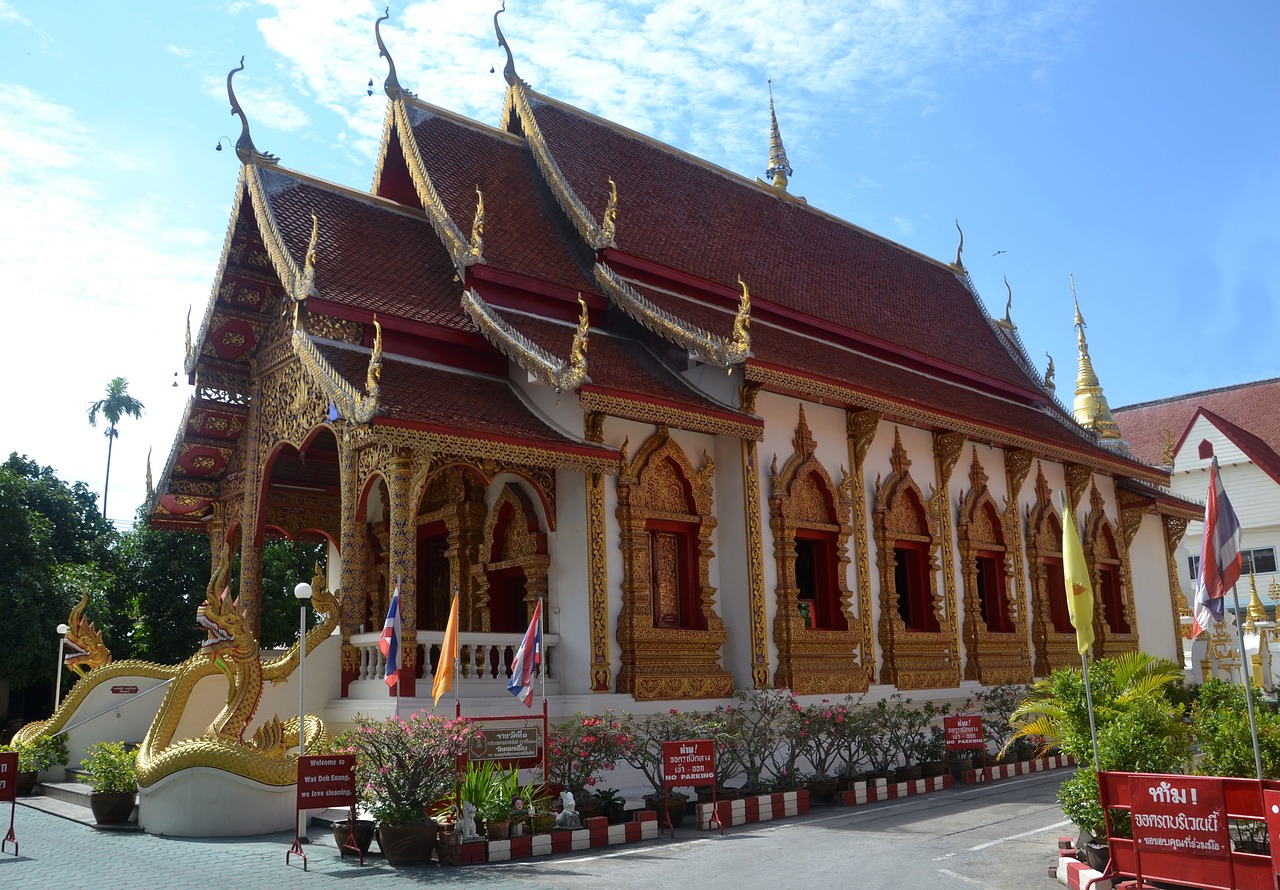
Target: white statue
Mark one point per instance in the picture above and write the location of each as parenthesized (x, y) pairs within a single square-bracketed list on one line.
[(467, 825), (568, 815)]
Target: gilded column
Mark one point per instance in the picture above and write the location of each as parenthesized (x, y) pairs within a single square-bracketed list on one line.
[(755, 549), (250, 510), (946, 451), (860, 430), (402, 565), (1174, 529), (1016, 466), (597, 566), (354, 552)]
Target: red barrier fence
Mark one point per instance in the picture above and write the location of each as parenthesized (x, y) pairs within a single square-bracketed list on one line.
[(1181, 829)]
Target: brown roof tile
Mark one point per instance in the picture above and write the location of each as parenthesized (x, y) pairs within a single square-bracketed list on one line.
[(702, 221)]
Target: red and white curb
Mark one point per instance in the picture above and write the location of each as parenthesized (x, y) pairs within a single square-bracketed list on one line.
[(598, 833), (1073, 873), (882, 789), (745, 810), (1021, 768)]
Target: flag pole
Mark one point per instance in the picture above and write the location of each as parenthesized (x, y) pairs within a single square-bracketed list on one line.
[(1248, 685), (542, 649), (399, 642), (457, 662), (1088, 700)]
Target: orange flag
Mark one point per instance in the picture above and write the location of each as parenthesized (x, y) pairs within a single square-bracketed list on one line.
[(448, 655)]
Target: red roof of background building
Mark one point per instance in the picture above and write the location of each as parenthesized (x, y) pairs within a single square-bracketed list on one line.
[(1252, 407)]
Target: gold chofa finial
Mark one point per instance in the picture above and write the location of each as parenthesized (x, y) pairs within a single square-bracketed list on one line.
[(245, 149), (779, 170), (959, 263), (509, 70), (392, 84)]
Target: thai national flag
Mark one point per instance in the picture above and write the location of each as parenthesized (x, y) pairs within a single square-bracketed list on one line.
[(389, 644), (528, 656), (1219, 554)]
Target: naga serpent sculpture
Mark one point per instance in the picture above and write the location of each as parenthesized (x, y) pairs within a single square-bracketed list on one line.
[(231, 648), (85, 650)]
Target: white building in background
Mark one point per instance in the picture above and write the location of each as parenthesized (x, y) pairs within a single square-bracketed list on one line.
[(1240, 425)]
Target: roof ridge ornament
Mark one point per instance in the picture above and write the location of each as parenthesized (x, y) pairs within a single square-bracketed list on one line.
[(1007, 321), (722, 351), (345, 400), (958, 265), (779, 169), (509, 70), (245, 149), (476, 248), (392, 84), (609, 222), (539, 362)]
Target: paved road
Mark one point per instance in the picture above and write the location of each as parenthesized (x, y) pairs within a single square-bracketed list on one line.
[(998, 836)]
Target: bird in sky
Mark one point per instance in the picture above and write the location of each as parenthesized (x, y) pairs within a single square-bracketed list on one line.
[(998, 252)]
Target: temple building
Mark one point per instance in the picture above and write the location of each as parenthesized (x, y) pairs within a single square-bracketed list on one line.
[(730, 440)]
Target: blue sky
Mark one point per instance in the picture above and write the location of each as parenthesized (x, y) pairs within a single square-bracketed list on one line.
[(1135, 144)]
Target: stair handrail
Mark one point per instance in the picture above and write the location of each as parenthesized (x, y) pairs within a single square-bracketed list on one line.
[(117, 706)]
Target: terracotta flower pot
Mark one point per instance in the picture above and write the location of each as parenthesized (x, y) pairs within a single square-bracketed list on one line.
[(364, 831), (498, 829), (410, 844), (112, 807), (27, 782)]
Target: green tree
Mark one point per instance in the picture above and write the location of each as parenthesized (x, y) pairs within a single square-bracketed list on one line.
[(53, 540), (162, 577), (117, 404)]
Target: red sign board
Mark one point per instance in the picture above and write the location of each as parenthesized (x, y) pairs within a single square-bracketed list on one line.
[(124, 690), (8, 776), (326, 780), (1180, 829), (689, 763), (963, 731)]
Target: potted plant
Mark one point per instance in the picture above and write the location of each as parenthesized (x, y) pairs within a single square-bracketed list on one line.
[(648, 732), (501, 804), (404, 768), (1139, 729), (752, 732), (111, 770), (581, 748), (612, 804), (39, 755)]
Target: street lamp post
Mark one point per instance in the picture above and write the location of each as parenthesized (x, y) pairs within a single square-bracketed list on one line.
[(62, 645), (303, 593)]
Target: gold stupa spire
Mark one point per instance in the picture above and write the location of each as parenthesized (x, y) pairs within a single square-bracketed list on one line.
[(1256, 611), (779, 168), (1090, 409)]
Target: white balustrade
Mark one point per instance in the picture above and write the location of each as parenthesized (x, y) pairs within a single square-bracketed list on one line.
[(485, 659)]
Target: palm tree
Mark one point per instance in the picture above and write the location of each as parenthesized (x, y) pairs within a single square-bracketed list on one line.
[(116, 405)]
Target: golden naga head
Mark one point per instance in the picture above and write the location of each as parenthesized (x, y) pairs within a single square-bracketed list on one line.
[(84, 649), (226, 624)]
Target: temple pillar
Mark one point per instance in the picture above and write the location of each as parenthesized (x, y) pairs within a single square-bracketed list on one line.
[(354, 550), (403, 568)]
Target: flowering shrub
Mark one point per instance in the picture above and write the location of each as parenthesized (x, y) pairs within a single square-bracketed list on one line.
[(651, 730), (753, 731), (404, 767), (820, 731), (583, 746)]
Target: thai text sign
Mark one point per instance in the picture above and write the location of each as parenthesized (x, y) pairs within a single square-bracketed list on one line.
[(963, 731), (124, 690), (8, 776), (689, 763), (1175, 817), (512, 741), (326, 780)]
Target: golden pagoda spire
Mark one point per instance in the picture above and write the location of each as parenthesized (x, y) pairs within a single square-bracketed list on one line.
[(1256, 611), (779, 169), (1090, 409)]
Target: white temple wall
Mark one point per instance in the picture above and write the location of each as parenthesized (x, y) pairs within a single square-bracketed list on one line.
[(568, 600), (1151, 591)]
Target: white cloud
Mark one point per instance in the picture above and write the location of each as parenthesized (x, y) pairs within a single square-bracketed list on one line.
[(9, 14), (96, 285)]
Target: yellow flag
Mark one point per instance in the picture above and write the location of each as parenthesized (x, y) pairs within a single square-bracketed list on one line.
[(448, 655), (1076, 574)]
